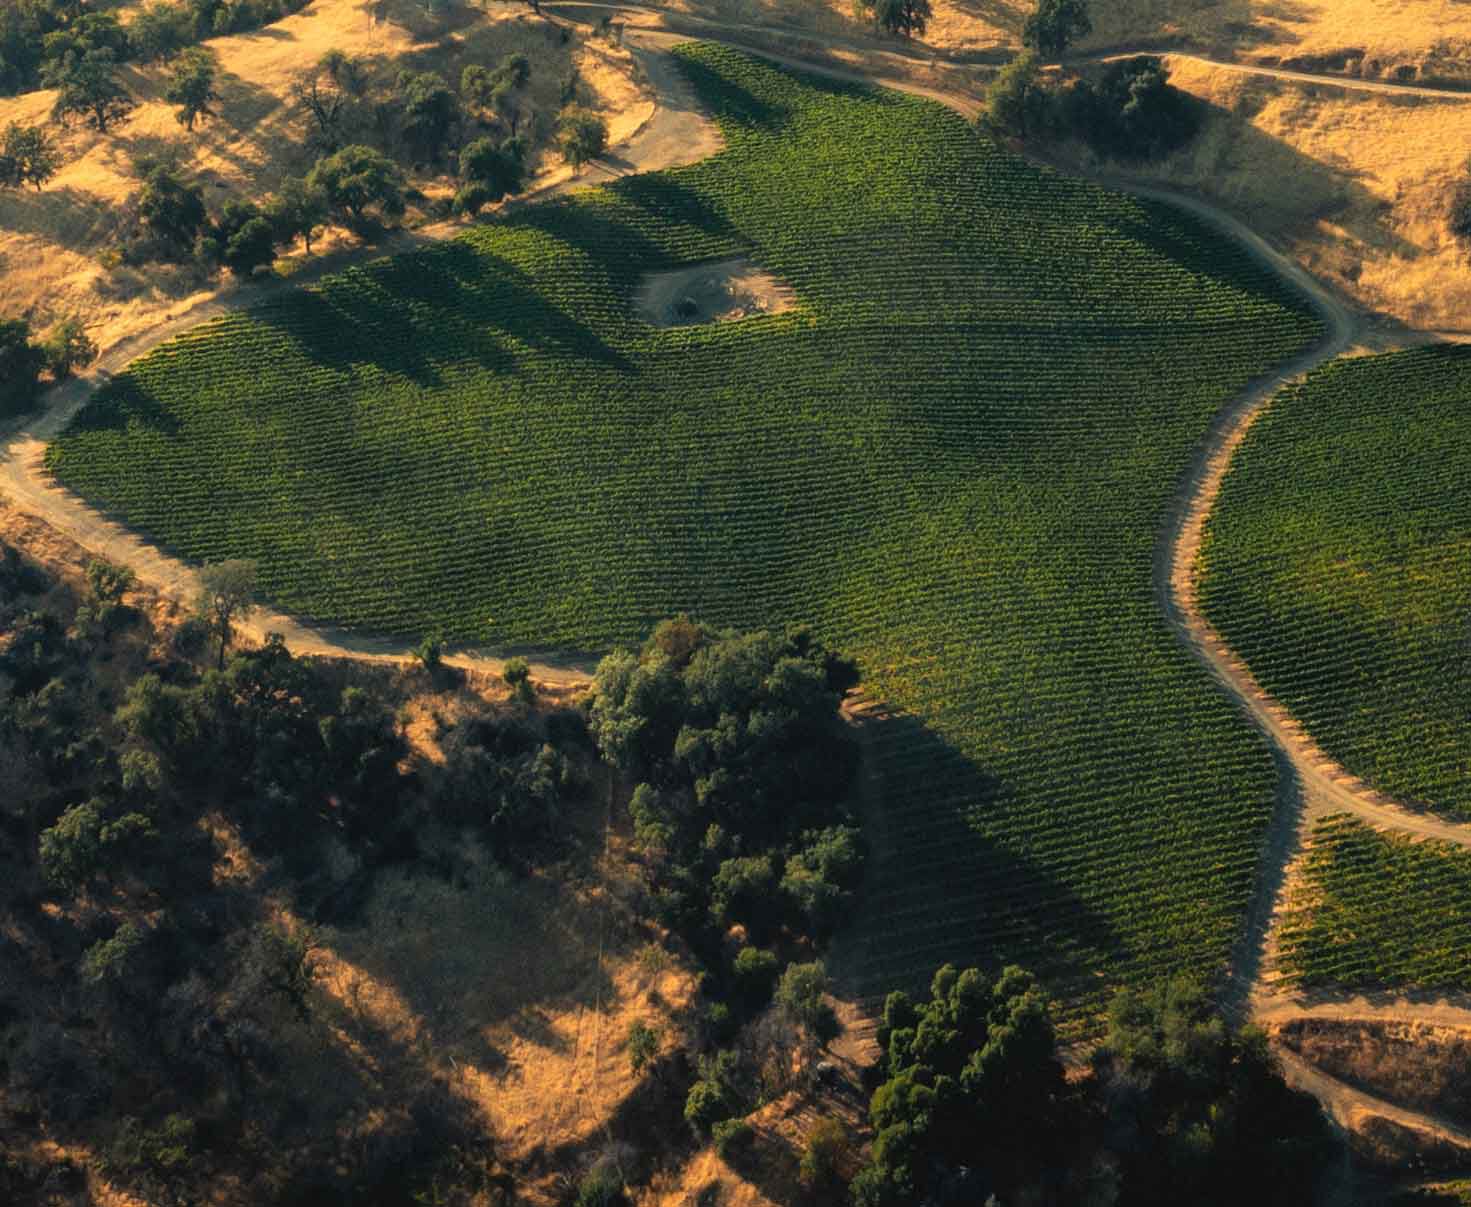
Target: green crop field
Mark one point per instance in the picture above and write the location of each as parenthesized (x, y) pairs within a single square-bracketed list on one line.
[(1338, 564), (1379, 911), (954, 457)]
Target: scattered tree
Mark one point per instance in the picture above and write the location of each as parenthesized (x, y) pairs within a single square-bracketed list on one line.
[(328, 92), (227, 594), (1133, 112), (1056, 25), (1016, 101), (27, 156), (21, 363), (643, 1044), (1460, 210), (159, 31), (801, 996), (66, 347), (88, 87), (192, 87), (171, 208), (430, 109), (355, 180), (498, 91), (498, 168), (243, 239), (297, 211), (581, 135), (906, 17)]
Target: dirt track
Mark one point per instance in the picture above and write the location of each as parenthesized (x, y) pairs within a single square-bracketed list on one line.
[(1310, 783)]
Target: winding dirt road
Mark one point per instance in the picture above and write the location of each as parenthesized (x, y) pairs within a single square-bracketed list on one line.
[(1310, 784)]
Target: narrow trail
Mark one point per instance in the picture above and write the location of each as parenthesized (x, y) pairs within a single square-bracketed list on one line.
[(1349, 1105), (1310, 784)]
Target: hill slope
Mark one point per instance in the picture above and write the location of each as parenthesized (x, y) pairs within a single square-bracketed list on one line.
[(952, 456)]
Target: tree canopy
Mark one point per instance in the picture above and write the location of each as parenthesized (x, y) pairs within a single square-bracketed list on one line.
[(27, 156), (358, 179), (192, 87), (1056, 25)]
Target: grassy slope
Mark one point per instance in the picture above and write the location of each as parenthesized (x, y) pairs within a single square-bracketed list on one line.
[(1338, 564), (1379, 911), (953, 457)]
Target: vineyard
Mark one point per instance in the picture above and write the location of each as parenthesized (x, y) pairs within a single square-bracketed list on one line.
[(953, 457), (1379, 911), (1338, 564)]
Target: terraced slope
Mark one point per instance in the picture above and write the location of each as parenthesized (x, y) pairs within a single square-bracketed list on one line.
[(953, 457), (1338, 565), (1378, 910)]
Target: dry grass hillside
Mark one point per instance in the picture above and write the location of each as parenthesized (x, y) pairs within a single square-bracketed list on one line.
[(1390, 38), (1355, 186), (50, 241)]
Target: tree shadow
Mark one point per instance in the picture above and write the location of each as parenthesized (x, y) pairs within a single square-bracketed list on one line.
[(64, 215), (121, 404), (246, 103), (939, 890), (416, 313)]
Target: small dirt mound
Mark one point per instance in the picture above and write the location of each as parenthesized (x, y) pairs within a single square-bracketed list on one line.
[(721, 292)]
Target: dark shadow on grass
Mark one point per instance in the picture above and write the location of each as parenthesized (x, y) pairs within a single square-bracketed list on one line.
[(938, 890), (419, 312), (122, 403)]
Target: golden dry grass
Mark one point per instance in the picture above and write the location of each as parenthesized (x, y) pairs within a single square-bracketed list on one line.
[(522, 990), (1376, 37), (49, 241), (1355, 186)]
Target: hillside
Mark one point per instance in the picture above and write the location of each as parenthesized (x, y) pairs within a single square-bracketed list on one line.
[(931, 457)]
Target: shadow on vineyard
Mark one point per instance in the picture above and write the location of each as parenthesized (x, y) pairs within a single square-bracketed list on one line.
[(951, 458), (934, 870)]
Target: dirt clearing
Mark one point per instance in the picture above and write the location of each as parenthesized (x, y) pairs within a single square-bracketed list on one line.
[(723, 292)]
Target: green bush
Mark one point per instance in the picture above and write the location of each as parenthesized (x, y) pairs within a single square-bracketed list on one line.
[(732, 1137), (643, 1044), (601, 1188)]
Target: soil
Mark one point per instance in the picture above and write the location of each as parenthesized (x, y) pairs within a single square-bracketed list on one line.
[(1412, 1064), (720, 292)]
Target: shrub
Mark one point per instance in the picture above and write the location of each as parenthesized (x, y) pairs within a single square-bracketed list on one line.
[(643, 1044), (601, 1188), (1460, 210), (732, 1137)]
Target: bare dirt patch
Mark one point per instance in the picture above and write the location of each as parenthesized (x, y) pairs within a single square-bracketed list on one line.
[(722, 292), (1408, 1063)]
